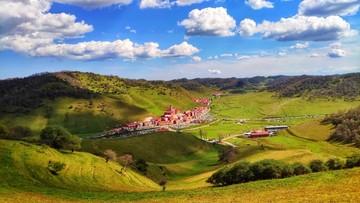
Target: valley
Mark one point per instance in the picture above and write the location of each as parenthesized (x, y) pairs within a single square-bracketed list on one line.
[(181, 158)]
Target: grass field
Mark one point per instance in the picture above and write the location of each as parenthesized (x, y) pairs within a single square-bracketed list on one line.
[(266, 104), (24, 166)]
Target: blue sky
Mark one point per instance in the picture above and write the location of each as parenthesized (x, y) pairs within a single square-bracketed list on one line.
[(169, 39)]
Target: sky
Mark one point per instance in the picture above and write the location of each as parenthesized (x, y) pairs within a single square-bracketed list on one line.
[(171, 39)]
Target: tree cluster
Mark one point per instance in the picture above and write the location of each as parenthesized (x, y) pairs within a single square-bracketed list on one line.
[(347, 126), (14, 133), (59, 138), (24, 94), (274, 169), (343, 86)]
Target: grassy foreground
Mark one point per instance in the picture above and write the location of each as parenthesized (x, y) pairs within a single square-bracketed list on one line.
[(334, 186)]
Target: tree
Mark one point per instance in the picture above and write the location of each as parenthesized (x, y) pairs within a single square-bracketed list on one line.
[(300, 168), (335, 164), (126, 160), (318, 165), (141, 165), (162, 183), (353, 161), (59, 138), (110, 155)]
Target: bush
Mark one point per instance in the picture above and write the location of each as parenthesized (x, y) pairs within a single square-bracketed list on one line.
[(270, 169), (335, 164), (353, 161), (55, 167), (239, 173), (318, 165), (300, 168), (218, 177), (15, 133)]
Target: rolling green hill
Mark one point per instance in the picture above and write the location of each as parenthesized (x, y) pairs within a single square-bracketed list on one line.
[(87, 103), (25, 166)]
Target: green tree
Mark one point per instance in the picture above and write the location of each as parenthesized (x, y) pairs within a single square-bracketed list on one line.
[(335, 164), (353, 161), (141, 165), (318, 165), (56, 167), (59, 138), (300, 168)]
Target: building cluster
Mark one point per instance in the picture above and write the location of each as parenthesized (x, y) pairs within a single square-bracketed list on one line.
[(205, 101), (268, 131), (171, 117)]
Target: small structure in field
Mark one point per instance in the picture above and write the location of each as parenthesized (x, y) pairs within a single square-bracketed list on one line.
[(258, 133), (275, 128)]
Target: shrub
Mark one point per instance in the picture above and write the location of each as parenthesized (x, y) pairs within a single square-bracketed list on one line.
[(55, 167), (267, 169), (353, 161), (110, 155), (239, 173), (300, 168), (217, 177), (334, 164), (317, 165)]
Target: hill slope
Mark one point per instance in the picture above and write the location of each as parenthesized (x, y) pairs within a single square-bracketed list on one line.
[(24, 166), (86, 103)]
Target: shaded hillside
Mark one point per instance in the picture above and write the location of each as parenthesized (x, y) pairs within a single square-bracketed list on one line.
[(337, 86), (347, 126), (235, 85), (22, 95)]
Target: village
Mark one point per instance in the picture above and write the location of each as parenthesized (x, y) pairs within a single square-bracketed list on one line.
[(171, 120)]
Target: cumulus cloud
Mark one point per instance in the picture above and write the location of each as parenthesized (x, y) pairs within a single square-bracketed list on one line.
[(214, 71), (259, 4), (302, 28), (155, 4), (95, 50), (328, 7), (209, 22), (336, 53), (247, 27), (282, 53), (95, 3), (33, 30), (300, 46), (196, 58), (30, 25)]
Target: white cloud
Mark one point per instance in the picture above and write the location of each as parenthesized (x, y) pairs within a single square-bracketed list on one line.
[(130, 29), (95, 3), (188, 2), (329, 7), (300, 46), (282, 54), (183, 49), (196, 58), (243, 57), (214, 71), (314, 55), (336, 53), (155, 4), (302, 28), (30, 25), (96, 50), (226, 55), (247, 27), (209, 22), (259, 4)]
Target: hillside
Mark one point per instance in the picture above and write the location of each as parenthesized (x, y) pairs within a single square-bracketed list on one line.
[(24, 166), (86, 103)]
